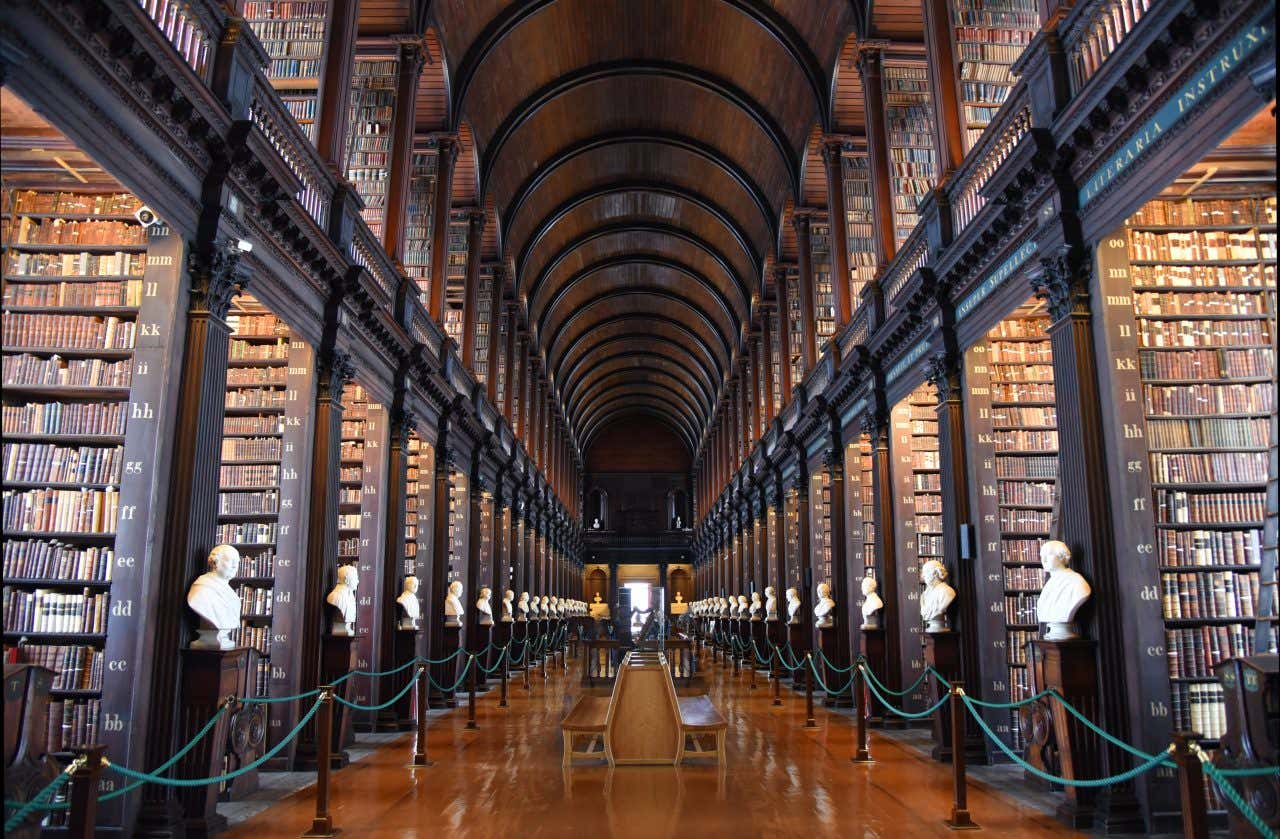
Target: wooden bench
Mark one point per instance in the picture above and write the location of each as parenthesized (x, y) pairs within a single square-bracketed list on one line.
[(698, 717), (586, 718)]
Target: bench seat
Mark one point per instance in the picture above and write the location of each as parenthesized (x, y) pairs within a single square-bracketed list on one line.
[(587, 717), (698, 717)]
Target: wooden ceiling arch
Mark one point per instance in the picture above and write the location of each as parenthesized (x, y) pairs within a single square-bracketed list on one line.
[(601, 412), (637, 410), (639, 381), (594, 348), (642, 323), (639, 357)]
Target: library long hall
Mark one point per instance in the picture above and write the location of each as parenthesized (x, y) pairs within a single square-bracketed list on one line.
[(912, 360)]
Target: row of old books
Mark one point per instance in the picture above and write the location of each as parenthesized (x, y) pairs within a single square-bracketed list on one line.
[(30, 559), (46, 463), (1208, 594), (45, 610), (55, 371)]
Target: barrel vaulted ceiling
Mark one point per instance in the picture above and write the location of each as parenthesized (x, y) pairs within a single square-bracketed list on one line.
[(640, 159)]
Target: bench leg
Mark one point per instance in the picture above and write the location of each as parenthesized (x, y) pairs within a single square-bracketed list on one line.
[(720, 735), (568, 747)]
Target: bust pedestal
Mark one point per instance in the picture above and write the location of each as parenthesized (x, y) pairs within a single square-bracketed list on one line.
[(479, 636), (873, 650), (828, 642), (942, 652), (207, 677), (338, 658), (500, 636), (1070, 668), (800, 635), (759, 637), (446, 674), (399, 717)]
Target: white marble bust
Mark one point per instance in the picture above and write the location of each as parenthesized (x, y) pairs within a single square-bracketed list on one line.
[(755, 606), (726, 607), (522, 607), (508, 599), (545, 606), (823, 610), (1063, 594), (871, 603), (793, 605), (679, 597), (343, 600), (557, 609), (937, 596), (215, 602), (483, 607), (535, 605), (453, 604), (744, 606), (410, 609), (770, 603)]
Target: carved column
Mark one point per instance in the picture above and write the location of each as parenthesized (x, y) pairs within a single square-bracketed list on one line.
[(779, 580), (470, 313), (338, 63), (412, 54), (192, 510), (515, 341), (831, 156), (948, 130), (438, 583), (474, 639), (784, 331), (1085, 507), (766, 369), (753, 392), (876, 425), (392, 553), (447, 155), (869, 67), (809, 335), (833, 461), (804, 554)]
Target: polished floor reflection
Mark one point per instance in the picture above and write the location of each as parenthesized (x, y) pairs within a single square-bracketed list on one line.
[(505, 780)]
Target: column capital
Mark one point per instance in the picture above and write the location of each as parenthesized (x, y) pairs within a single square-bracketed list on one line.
[(213, 276), (412, 51), (446, 143), (476, 219), (1064, 283), (869, 53), (944, 374)]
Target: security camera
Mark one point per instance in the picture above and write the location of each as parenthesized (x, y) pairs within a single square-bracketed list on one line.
[(244, 245), (146, 216)]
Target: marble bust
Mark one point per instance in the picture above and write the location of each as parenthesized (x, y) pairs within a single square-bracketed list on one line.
[(557, 607), (755, 605), (679, 597), (770, 603), (743, 607), (823, 609), (595, 524), (410, 609), (1063, 594), (545, 606), (793, 605), (343, 600), (215, 602), (937, 596), (871, 603), (534, 607), (483, 607), (523, 607), (726, 608), (508, 598), (453, 604)]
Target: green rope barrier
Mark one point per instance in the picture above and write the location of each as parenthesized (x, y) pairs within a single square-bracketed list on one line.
[(910, 715), (831, 665), (873, 680), (783, 659), (1145, 766), (1233, 795), (267, 700), (822, 683), (378, 674), (1253, 772), (497, 664), (38, 801), (147, 777), (942, 680), (456, 684), (393, 700)]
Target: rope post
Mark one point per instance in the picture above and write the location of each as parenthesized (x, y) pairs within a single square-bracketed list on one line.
[(775, 668), (502, 701), (752, 667), (322, 825), (861, 709), (1195, 819), (544, 665), (420, 746), (734, 655), (960, 819), (83, 793), (809, 721), (471, 692), (527, 663)]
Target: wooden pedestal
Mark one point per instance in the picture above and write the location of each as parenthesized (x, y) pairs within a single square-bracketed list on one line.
[(338, 658), (942, 653), (399, 717), (828, 642), (760, 638), (208, 676), (480, 644), (1070, 668), (800, 635), (873, 650), (446, 674), (27, 769)]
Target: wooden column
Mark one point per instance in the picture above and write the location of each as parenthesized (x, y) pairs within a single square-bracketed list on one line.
[(191, 516), (784, 331), (470, 311), (472, 637), (753, 392), (803, 556), (496, 310), (447, 155), (844, 596), (439, 577), (337, 66), (515, 342), (779, 580), (500, 552), (808, 340), (948, 129), (876, 424), (412, 54), (514, 555), (869, 67), (766, 369), (392, 550), (526, 390), (832, 149)]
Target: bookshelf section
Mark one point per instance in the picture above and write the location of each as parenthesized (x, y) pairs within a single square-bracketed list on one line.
[(455, 290), (861, 503), (484, 303), (989, 38), (795, 356), (373, 102), (293, 34), (908, 105), (458, 530), (418, 218), (859, 223), (917, 476), (824, 298), (820, 512), (795, 576)]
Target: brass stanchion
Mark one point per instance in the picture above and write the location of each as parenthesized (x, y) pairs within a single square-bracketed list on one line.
[(322, 824), (809, 721), (752, 665), (502, 702), (733, 654), (863, 754), (775, 666), (83, 795), (527, 662), (471, 691), (960, 819), (1195, 818), (544, 664), (420, 744)]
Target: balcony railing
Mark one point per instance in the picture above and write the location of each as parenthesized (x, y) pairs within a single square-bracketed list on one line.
[(913, 256), (189, 27), (1094, 31), (277, 126), (1001, 138)]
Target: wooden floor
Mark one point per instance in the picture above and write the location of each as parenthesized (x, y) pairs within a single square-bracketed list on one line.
[(505, 780)]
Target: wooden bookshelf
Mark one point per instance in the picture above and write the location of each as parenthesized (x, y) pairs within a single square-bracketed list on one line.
[(820, 512), (824, 299), (776, 358), (484, 302), (795, 576), (418, 218), (455, 293), (373, 102), (798, 332), (293, 34), (989, 38), (859, 223), (909, 125), (458, 513)]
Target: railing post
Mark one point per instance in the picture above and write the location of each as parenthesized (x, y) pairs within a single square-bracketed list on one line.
[(420, 746), (752, 664), (777, 677), (83, 795), (322, 824), (527, 662), (543, 657), (502, 702), (809, 721), (471, 691), (863, 754), (733, 653), (1195, 819), (960, 819)]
